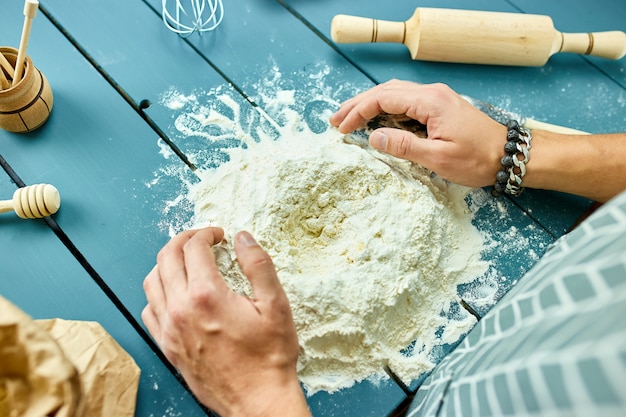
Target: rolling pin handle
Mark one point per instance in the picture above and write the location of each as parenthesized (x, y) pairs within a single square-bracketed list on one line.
[(609, 45), (354, 29)]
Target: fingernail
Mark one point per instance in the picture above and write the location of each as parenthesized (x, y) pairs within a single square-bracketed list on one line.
[(378, 140), (246, 239)]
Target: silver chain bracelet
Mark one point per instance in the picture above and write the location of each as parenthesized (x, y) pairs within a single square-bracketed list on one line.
[(517, 155)]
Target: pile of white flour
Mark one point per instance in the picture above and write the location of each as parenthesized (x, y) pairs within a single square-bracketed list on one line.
[(369, 249)]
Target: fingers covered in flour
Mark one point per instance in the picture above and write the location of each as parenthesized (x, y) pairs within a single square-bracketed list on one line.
[(203, 277), (257, 266)]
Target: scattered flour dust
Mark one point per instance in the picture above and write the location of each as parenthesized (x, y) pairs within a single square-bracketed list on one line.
[(370, 249)]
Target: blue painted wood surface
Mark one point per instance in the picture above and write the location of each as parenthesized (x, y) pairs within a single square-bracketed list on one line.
[(104, 153)]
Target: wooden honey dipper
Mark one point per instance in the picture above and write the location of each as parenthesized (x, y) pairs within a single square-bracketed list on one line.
[(478, 37), (33, 201)]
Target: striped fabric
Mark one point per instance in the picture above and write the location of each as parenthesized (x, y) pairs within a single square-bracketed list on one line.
[(555, 345)]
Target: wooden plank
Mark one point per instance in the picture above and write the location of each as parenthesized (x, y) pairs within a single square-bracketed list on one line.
[(256, 36), (39, 275)]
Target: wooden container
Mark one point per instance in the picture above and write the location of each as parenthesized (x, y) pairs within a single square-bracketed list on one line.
[(26, 105)]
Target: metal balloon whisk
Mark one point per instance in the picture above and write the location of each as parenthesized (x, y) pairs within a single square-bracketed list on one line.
[(195, 16)]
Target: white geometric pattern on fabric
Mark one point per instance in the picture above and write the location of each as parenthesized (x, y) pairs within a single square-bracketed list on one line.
[(555, 345)]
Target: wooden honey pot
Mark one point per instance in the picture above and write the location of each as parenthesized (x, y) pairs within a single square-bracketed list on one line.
[(26, 105)]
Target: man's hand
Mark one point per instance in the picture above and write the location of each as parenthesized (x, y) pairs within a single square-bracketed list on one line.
[(237, 354), (463, 145)]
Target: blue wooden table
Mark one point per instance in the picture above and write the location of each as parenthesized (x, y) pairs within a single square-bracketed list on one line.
[(111, 142)]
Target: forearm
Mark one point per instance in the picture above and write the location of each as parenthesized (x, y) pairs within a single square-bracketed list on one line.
[(290, 402), (279, 400), (591, 166)]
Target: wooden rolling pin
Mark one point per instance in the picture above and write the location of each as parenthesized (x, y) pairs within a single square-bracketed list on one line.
[(478, 37), (33, 201)]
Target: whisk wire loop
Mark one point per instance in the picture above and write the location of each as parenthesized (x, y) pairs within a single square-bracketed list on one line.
[(202, 16)]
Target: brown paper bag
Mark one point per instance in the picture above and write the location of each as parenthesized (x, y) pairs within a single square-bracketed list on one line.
[(109, 376), (103, 378), (36, 379)]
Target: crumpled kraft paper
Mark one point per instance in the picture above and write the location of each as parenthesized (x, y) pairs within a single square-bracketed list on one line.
[(36, 379), (62, 368), (109, 376)]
